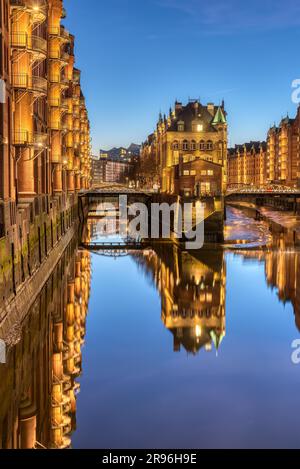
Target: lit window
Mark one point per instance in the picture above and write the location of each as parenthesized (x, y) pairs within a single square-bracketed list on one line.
[(199, 128), (205, 187), (210, 172), (193, 173), (185, 145), (209, 145), (203, 172), (186, 173), (176, 158)]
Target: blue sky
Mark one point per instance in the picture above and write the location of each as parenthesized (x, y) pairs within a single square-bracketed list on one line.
[(138, 56)]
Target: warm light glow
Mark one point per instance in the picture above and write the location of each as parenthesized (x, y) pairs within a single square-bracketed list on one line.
[(198, 331)]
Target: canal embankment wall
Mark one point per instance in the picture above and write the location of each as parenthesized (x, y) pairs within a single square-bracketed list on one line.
[(29, 252)]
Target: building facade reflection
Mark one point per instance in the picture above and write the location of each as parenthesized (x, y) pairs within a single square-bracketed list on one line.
[(282, 272), (38, 384), (192, 287)]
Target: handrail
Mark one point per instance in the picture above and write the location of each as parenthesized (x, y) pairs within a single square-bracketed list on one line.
[(24, 137), (30, 82)]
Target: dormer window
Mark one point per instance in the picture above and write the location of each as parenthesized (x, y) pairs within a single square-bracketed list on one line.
[(180, 126), (197, 126)]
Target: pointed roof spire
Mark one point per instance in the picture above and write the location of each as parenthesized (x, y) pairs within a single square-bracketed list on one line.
[(217, 338), (219, 117)]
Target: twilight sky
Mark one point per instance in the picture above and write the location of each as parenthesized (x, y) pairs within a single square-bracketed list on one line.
[(138, 56)]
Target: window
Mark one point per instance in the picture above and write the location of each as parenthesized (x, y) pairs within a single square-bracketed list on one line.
[(175, 145), (185, 145), (210, 172), (202, 145), (209, 145), (193, 145), (199, 128), (205, 187), (193, 172), (180, 126), (203, 172), (186, 173)]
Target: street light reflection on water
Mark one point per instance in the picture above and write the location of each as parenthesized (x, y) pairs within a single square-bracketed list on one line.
[(181, 349)]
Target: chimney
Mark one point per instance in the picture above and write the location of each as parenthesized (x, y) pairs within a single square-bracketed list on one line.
[(211, 108), (196, 107)]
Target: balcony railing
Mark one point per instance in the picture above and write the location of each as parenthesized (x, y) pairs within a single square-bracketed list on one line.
[(38, 8), (55, 125), (30, 83), (54, 31), (38, 44), (25, 138), (58, 102), (59, 79), (57, 54), (29, 42)]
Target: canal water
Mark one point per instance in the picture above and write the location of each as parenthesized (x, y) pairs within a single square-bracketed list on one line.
[(177, 349)]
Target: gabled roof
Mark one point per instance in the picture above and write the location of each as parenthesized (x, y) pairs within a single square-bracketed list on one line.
[(193, 112)]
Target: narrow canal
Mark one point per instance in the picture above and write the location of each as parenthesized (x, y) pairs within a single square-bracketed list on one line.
[(162, 348)]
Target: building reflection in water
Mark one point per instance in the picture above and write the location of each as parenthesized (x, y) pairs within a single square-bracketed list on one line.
[(282, 271), (192, 289), (38, 384), (281, 261)]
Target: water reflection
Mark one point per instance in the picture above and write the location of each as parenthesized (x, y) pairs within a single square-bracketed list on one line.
[(192, 291), (282, 272), (38, 384)]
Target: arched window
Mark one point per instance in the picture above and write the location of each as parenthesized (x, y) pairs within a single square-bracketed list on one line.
[(185, 145), (202, 145), (193, 145), (209, 145), (175, 145), (180, 126)]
